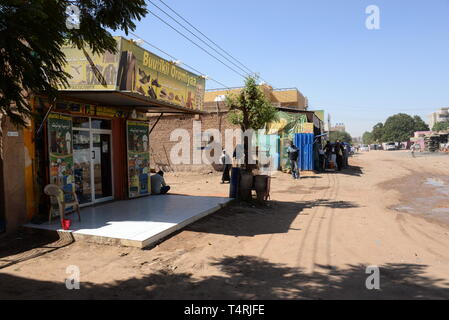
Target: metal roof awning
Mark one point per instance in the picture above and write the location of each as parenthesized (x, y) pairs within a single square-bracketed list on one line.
[(113, 98)]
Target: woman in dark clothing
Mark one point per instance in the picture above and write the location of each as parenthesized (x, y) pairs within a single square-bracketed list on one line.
[(226, 162), (339, 151), (327, 154)]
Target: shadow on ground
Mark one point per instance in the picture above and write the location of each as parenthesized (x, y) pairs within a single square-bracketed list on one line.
[(246, 220), (26, 245), (244, 277), (351, 171)]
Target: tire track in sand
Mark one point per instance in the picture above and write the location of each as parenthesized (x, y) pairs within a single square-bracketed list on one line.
[(327, 210), (313, 214), (331, 225), (272, 235)]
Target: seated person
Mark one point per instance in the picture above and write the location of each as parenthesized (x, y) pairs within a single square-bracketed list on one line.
[(158, 185)]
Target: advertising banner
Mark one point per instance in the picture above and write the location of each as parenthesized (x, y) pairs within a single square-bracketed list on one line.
[(90, 71), (61, 151), (139, 183), (150, 75), (134, 69)]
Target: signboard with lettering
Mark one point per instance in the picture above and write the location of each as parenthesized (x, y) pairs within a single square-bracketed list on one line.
[(134, 69)]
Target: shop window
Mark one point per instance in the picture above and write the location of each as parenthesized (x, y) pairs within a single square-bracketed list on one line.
[(81, 122), (101, 124)]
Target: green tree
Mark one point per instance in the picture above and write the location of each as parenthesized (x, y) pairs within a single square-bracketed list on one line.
[(400, 127), (367, 138), (250, 109), (439, 126), (340, 135), (32, 34), (377, 133), (420, 125)]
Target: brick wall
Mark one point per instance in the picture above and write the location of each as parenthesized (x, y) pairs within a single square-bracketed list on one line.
[(161, 146)]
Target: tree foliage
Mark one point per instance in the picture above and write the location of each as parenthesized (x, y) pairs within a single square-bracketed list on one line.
[(398, 128), (340, 135), (420, 125), (377, 133), (439, 126), (401, 127), (32, 34), (250, 109), (367, 138)]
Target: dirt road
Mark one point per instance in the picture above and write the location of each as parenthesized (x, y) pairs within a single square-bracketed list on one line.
[(314, 241)]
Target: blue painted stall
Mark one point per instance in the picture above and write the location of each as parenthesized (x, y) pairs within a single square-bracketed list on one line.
[(304, 141)]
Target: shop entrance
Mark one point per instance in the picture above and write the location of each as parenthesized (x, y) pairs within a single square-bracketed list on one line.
[(92, 156)]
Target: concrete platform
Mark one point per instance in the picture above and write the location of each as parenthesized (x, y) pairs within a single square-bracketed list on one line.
[(138, 222)]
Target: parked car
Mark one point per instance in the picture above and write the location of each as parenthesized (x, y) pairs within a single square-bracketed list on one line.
[(390, 146), (364, 147)]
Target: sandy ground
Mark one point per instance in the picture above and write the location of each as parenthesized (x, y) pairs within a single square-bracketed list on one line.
[(314, 240)]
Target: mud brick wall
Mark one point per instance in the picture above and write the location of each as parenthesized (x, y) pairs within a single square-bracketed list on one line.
[(160, 144)]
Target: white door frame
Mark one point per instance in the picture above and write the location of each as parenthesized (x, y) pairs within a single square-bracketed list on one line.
[(92, 178), (92, 169)]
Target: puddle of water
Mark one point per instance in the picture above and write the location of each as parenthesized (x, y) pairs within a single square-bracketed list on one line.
[(441, 210), (435, 182), (430, 200), (439, 184), (403, 208)]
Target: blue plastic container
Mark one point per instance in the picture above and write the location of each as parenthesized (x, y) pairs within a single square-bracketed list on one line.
[(234, 184)]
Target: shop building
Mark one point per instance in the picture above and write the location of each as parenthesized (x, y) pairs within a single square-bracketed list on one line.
[(95, 138)]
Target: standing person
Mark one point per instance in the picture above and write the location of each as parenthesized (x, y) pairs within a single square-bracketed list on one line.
[(412, 149), (226, 162), (346, 148), (293, 155), (238, 155), (158, 185), (339, 151), (322, 160), (328, 153)]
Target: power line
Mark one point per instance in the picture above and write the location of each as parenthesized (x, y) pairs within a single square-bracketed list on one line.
[(171, 9), (191, 25), (175, 59), (171, 17), (190, 40)]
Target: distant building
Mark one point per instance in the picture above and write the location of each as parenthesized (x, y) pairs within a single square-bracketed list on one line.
[(441, 115), (290, 98), (339, 127)]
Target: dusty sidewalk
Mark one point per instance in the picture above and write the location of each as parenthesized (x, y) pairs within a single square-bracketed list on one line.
[(314, 240)]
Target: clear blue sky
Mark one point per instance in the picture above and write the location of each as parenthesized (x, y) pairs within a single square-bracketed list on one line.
[(323, 48)]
